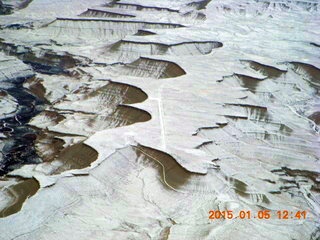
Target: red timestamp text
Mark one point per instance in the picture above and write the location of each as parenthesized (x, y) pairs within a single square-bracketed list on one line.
[(262, 214)]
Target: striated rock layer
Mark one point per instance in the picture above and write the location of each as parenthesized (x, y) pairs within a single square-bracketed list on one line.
[(134, 119)]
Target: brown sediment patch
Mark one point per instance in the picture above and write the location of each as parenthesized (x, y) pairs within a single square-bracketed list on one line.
[(77, 156), (48, 146), (308, 72), (315, 117), (51, 147), (241, 189), (3, 93), (172, 70), (153, 48), (172, 174), (19, 193), (164, 235), (248, 82), (249, 112), (47, 118), (36, 87), (144, 33), (147, 67), (118, 93), (266, 70), (49, 62), (53, 116), (199, 5), (126, 115), (125, 46), (195, 15)]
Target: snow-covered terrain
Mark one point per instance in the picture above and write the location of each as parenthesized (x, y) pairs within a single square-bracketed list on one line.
[(133, 119)]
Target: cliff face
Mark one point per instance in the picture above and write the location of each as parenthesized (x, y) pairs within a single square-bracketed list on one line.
[(135, 119)]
